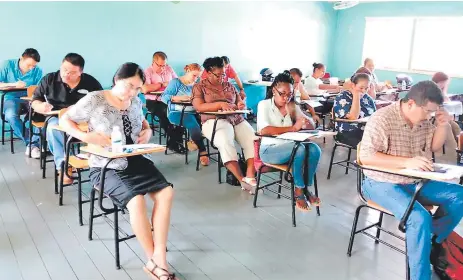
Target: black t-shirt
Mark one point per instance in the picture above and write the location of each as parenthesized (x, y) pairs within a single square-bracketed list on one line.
[(59, 94)]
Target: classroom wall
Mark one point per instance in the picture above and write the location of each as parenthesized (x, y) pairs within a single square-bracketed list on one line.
[(348, 46), (253, 34)]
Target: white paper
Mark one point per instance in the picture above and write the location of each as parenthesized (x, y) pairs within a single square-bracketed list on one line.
[(296, 136), (312, 103), (453, 172), (143, 146)]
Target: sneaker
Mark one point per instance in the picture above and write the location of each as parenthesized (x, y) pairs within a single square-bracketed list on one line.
[(35, 153)]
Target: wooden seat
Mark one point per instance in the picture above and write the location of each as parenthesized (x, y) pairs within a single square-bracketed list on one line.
[(376, 206), (281, 167), (78, 163), (38, 124)]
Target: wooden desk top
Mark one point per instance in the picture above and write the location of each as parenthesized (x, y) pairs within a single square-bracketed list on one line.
[(12, 89), (155, 92), (83, 127), (361, 120), (222, 113), (104, 152), (52, 113), (185, 103)]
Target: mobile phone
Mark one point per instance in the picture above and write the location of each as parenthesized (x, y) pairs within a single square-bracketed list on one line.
[(439, 169)]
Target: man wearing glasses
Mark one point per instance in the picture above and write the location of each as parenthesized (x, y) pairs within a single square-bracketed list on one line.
[(158, 76), (402, 135), (58, 90)]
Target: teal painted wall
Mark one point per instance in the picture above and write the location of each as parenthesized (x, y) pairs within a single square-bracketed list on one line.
[(348, 46), (253, 34)]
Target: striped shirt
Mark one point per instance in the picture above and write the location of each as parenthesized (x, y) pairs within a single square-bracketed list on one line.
[(387, 132)]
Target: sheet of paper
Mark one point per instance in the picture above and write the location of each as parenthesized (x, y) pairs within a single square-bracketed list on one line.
[(453, 172), (296, 136), (312, 103), (143, 146)]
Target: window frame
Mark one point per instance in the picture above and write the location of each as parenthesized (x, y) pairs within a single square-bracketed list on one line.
[(410, 68)]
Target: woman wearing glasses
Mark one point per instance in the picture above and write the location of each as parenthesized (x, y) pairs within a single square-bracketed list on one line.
[(213, 94), (128, 179), (278, 114), (353, 104)]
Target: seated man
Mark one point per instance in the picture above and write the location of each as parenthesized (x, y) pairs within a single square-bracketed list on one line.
[(230, 73), (59, 90), (22, 72), (401, 135), (158, 77)]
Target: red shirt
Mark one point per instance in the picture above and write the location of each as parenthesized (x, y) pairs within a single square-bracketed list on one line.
[(229, 73)]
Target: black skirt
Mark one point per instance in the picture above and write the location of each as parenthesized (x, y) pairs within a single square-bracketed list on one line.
[(139, 178)]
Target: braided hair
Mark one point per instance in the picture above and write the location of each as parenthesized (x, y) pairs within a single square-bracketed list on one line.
[(284, 77)]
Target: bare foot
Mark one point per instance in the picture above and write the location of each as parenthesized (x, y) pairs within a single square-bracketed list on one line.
[(204, 159)]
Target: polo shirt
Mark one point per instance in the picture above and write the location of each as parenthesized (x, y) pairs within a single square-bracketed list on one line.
[(388, 132), (152, 77), (10, 73), (269, 115), (59, 94)]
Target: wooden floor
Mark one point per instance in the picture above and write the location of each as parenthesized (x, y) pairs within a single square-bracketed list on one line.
[(215, 231)]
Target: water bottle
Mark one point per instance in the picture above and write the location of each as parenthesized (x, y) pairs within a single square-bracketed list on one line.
[(404, 85), (116, 140)]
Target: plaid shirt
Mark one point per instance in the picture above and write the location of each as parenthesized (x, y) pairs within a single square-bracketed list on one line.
[(387, 132), (209, 93)]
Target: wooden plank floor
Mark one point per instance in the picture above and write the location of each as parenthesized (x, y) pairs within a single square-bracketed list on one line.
[(215, 231)]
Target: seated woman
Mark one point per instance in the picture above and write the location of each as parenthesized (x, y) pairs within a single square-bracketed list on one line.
[(301, 94), (179, 89), (314, 86), (213, 94), (352, 105), (128, 179), (372, 88), (443, 81), (277, 114)]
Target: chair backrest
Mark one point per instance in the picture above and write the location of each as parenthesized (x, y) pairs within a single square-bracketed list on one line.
[(30, 91), (327, 75), (359, 162), (257, 160)]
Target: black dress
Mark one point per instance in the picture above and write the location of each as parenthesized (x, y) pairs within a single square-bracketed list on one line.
[(139, 178)]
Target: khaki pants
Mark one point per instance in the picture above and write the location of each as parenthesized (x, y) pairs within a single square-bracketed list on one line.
[(225, 137)]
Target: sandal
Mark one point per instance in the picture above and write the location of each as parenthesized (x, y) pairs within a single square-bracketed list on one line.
[(165, 276), (249, 184), (191, 146), (313, 199), (204, 160), (300, 208)]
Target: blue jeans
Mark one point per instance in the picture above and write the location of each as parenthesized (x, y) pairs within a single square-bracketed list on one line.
[(420, 224), (191, 123), (11, 109), (55, 140), (281, 153)]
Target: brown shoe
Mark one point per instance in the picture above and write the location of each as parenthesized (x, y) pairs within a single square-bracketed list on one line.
[(66, 179)]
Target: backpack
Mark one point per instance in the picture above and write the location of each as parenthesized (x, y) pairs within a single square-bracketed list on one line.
[(230, 178), (447, 258)]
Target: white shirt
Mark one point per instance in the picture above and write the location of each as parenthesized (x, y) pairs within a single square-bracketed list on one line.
[(269, 115), (312, 85)]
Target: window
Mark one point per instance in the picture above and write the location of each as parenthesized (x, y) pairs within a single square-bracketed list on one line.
[(424, 45)]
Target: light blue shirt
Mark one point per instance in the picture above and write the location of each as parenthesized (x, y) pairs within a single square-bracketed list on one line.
[(174, 88), (10, 73)]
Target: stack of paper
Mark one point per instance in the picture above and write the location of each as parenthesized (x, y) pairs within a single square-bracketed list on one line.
[(312, 103)]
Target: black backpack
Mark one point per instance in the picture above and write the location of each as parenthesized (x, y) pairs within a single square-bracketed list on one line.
[(230, 178)]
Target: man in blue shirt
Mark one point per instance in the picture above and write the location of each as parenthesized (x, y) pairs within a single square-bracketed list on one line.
[(22, 72)]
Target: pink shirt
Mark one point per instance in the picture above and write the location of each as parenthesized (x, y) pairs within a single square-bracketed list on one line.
[(229, 73), (152, 77)]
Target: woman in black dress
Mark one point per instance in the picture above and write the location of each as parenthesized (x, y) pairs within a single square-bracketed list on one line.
[(128, 179)]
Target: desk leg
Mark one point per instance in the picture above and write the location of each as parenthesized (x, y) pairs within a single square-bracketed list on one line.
[(403, 221)]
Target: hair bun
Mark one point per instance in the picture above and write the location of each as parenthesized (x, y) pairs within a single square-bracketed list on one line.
[(286, 72), (315, 64)]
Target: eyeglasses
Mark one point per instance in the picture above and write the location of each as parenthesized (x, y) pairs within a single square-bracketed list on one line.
[(284, 95), (69, 73), (218, 76), (131, 87), (161, 66)]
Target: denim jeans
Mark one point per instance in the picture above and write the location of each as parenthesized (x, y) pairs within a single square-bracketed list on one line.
[(11, 109), (55, 140), (191, 123), (420, 225), (281, 153)]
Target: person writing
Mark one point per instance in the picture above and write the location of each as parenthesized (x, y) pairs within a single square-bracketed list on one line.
[(277, 114), (129, 179), (401, 136)]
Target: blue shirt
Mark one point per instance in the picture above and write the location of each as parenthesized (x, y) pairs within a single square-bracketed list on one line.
[(10, 73), (342, 105), (175, 87)]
